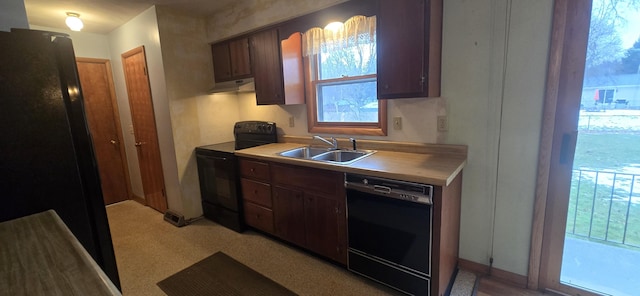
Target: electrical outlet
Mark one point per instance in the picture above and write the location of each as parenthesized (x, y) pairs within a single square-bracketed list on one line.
[(442, 124), (291, 122), (397, 123)]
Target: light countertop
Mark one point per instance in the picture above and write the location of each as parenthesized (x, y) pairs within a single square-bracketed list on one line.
[(435, 168), (40, 256)]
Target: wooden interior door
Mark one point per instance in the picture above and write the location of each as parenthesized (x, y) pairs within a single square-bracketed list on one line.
[(104, 124), (144, 127)]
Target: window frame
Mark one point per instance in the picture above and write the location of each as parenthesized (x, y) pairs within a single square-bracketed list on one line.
[(356, 128)]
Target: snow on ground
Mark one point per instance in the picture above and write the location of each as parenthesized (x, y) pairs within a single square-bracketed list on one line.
[(614, 121)]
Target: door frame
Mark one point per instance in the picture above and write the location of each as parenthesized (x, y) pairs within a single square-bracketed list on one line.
[(565, 74), (116, 117)]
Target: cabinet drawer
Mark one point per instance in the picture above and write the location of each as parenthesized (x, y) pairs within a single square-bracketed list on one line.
[(329, 183), (258, 217), (256, 192), (254, 169)]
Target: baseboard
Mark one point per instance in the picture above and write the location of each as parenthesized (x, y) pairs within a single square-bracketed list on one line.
[(514, 279), (139, 199)]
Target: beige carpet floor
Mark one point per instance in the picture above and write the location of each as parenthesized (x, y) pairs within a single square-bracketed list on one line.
[(149, 249)]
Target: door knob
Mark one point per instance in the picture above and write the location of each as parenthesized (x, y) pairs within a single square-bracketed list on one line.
[(113, 141)]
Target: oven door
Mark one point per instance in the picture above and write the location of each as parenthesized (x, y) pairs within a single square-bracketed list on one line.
[(218, 184), (390, 241)]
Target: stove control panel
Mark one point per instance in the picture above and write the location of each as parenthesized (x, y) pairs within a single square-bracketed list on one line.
[(255, 127)]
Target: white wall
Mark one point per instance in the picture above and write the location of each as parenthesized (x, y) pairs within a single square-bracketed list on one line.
[(13, 15), (494, 71), (85, 45), (197, 118), (143, 31)]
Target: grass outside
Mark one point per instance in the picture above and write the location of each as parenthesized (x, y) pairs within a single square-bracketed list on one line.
[(606, 206)]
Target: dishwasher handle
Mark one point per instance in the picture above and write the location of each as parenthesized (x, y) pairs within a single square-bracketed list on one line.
[(382, 189), (388, 192)]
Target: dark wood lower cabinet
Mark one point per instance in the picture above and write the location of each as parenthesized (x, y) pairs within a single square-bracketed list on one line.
[(325, 225), (306, 205), (289, 217)]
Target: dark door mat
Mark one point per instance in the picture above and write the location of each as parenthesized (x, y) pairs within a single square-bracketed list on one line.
[(220, 275)]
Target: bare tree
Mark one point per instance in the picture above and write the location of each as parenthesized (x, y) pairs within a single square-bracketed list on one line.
[(605, 44)]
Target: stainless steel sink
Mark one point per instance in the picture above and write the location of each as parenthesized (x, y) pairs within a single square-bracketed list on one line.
[(303, 152), (323, 154), (342, 156)]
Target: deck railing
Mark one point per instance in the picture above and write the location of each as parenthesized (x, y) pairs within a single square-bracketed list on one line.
[(605, 206)]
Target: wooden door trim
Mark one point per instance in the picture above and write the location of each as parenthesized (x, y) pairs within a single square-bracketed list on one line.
[(116, 117), (564, 84)]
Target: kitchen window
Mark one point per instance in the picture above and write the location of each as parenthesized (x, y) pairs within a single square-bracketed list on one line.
[(341, 79)]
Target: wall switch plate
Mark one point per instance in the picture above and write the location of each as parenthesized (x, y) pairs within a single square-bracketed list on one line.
[(443, 125), (291, 122), (397, 123)]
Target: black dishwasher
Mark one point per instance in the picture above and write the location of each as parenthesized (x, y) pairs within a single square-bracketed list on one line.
[(389, 228)]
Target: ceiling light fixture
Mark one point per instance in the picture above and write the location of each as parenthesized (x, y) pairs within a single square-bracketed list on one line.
[(73, 21), (334, 26)]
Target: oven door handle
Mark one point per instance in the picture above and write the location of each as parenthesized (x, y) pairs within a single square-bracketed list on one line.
[(211, 157)]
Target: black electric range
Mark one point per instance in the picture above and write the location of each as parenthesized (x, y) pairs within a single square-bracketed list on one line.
[(218, 172)]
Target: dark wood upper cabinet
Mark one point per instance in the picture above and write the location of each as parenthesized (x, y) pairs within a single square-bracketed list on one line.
[(231, 59), (409, 37), (277, 68), (409, 40), (267, 68)]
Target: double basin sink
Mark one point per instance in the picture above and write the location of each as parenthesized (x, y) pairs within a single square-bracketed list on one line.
[(328, 155)]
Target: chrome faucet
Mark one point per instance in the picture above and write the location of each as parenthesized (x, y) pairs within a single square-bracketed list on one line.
[(333, 142)]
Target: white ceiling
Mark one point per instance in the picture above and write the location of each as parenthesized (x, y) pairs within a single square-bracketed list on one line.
[(103, 16)]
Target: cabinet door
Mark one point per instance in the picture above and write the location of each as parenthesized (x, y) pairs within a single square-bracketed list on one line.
[(405, 54), (325, 221), (288, 215), (221, 61), (267, 67), (231, 60), (240, 58)]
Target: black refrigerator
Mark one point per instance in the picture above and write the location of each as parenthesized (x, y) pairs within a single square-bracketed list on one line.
[(46, 155)]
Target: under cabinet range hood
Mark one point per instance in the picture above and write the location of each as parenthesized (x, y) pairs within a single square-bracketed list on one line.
[(240, 85)]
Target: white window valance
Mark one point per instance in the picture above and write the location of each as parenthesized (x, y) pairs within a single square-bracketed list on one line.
[(355, 31)]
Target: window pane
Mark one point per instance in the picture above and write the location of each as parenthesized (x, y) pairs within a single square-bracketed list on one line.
[(337, 62), (351, 101)]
